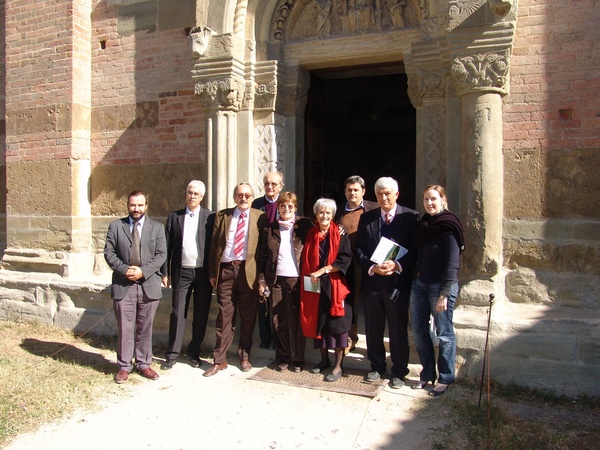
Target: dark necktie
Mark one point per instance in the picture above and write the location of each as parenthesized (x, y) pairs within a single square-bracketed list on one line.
[(135, 258)]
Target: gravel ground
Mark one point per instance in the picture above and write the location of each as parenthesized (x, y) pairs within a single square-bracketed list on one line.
[(184, 410)]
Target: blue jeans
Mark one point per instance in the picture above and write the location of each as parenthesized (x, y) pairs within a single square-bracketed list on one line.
[(423, 298)]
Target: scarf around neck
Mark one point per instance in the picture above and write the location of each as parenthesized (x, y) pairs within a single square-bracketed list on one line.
[(310, 263), (432, 228)]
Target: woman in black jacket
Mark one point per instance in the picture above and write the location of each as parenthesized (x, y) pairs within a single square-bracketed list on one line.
[(434, 290)]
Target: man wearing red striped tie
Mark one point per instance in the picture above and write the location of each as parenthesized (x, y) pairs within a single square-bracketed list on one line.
[(233, 272)]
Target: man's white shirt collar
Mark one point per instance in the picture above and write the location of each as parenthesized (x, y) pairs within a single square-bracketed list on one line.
[(141, 221), (392, 212), (362, 205), (188, 211)]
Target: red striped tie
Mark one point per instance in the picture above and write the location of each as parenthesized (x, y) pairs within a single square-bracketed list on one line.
[(388, 218), (239, 238)]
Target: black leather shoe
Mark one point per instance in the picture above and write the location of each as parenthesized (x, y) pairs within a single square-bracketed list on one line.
[(440, 391), (321, 366), (168, 364), (195, 362), (265, 345)]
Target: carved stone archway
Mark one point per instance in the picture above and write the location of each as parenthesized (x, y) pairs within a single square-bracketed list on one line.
[(456, 55)]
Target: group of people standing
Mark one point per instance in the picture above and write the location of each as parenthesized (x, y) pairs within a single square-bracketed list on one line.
[(298, 277)]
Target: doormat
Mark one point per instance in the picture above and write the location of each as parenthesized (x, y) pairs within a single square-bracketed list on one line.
[(352, 382)]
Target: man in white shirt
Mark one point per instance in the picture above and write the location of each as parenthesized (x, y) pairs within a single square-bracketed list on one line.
[(188, 234), (233, 271), (385, 287)]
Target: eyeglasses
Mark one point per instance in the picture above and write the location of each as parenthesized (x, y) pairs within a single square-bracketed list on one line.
[(287, 206), (194, 194), (268, 183), (244, 195)]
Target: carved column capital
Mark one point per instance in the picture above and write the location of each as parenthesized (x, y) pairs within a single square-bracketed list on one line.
[(226, 94), (423, 84), (487, 71), (220, 71), (425, 67), (266, 85)]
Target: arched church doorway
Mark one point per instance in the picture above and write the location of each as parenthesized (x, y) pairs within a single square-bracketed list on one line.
[(359, 121)]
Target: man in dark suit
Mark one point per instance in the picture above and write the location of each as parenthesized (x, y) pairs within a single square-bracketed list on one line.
[(348, 216), (273, 183), (188, 234), (385, 287), (232, 270), (135, 250)]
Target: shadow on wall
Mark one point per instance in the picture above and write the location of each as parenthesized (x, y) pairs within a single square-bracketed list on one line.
[(147, 133), (3, 231)]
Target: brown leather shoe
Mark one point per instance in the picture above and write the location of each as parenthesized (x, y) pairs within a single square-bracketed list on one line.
[(149, 373), (246, 366), (212, 370), (121, 376)]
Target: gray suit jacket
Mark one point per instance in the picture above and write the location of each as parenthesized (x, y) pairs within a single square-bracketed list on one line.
[(153, 251)]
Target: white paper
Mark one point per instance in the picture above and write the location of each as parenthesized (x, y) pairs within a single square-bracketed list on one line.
[(388, 249), (309, 286)]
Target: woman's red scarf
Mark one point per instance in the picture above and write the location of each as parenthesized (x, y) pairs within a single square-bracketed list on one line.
[(309, 262)]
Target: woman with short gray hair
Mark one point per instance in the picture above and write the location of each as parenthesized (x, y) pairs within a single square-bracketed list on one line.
[(324, 315)]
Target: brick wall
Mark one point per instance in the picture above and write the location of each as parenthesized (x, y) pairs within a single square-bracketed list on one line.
[(552, 115), (147, 128)]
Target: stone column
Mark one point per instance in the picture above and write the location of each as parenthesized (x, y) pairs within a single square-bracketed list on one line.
[(481, 81), (221, 87), (427, 93)]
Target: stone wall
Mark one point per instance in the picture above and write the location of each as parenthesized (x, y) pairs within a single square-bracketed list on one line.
[(549, 324), (81, 132)]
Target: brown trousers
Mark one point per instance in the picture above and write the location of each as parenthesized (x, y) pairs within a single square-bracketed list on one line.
[(233, 295)]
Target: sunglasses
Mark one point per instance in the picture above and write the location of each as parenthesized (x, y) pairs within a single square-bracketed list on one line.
[(244, 195)]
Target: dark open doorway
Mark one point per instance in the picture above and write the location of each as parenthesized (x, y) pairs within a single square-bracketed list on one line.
[(359, 121)]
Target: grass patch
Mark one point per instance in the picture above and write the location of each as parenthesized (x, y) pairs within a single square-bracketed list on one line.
[(519, 418), (46, 374)]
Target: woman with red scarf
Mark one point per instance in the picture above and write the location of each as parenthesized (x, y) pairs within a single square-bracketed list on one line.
[(324, 315)]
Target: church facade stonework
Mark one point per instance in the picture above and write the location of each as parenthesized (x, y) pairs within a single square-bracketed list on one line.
[(143, 95)]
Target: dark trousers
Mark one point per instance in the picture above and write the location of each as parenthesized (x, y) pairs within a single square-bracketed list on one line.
[(290, 342), (233, 295), (353, 277), (264, 324), (187, 283), (378, 308), (135, 315)]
